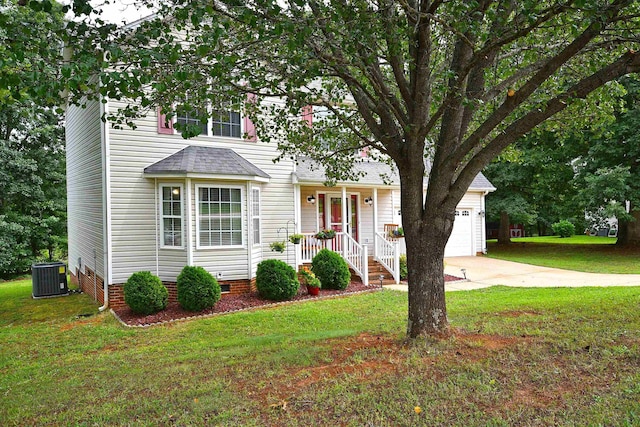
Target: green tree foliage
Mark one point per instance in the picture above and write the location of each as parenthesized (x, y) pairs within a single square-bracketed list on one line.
[(609, 173), (535, 182), (445, 85), (32, 166), (32, 186)]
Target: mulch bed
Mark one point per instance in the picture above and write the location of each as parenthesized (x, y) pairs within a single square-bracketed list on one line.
[(233, 303)]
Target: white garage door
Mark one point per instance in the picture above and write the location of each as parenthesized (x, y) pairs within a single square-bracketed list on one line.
[(461, 241)]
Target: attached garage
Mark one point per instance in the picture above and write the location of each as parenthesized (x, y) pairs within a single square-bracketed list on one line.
[(461, 241)]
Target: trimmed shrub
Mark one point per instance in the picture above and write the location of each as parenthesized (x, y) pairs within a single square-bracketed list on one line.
[(144, 293), (404, 272), (276, 280), (331, 269), (197, 289), (564, 228)]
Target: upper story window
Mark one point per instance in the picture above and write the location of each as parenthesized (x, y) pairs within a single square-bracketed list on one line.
[(187, 117), (226, 123), (171, 216)]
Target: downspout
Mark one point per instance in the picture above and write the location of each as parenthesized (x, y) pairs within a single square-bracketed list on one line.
[(156, 190), (106, 199)]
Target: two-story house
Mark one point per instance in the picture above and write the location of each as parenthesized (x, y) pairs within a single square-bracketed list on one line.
[(148, 199)]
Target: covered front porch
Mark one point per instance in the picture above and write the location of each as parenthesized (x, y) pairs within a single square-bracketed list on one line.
[(360, 216)]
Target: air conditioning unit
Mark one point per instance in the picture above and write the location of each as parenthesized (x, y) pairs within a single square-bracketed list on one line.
[(49, 280)]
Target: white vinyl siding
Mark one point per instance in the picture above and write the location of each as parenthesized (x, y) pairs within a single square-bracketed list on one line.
[(255, 215), (85, 196), (219, 216), (171, 216)]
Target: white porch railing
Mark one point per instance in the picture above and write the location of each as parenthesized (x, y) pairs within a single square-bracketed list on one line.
[(354, 253), (387, 253)]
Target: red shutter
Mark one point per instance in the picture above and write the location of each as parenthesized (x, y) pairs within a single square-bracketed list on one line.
[(249, 128), (164, 126), (307, 114)]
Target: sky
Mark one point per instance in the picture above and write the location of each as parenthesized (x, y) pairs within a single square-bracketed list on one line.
[(119, 11)]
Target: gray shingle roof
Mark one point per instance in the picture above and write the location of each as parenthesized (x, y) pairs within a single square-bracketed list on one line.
[(310, 171), (205, 160)]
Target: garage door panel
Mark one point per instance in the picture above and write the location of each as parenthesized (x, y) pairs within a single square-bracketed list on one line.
[(461, 240)]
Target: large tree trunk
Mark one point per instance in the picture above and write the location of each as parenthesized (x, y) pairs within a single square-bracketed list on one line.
[(427, 306), (504, 234), (629, 231), (427, 227)]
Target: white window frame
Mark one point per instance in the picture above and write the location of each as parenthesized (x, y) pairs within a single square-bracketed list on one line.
[(258, 216), (242, 215), (241, 120), (209, 132), (162, 216)]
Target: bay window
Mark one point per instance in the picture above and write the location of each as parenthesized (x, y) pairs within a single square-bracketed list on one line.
[(219, 216)]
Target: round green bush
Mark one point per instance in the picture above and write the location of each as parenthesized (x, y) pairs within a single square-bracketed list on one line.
[(144, 293), (404, 272), (564, 228), (331, 269), (197, 289), (276, 280)]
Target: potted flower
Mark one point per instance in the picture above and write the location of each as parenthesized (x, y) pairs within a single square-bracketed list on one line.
[(277, 246), (326, 234), (311, 281), (295, 238), (398, 232)]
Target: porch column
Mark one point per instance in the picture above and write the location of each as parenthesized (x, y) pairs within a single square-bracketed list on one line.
[(297, 218), (375, 222), (189, 236), (345, 201)]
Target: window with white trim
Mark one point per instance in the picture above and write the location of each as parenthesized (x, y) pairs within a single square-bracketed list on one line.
[(171, 216), (255, 215), (226, 123), (219, 216)]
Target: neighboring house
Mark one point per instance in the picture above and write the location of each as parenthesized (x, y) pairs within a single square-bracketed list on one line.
[(147, 199)]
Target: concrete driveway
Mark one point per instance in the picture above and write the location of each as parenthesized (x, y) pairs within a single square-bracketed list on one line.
[(483, 272)]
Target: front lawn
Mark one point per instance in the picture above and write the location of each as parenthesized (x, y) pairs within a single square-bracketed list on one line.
[(581, 253), (518, 357)]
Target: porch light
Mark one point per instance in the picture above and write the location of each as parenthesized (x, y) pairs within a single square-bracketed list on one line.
[(311, 199), (368, 201)]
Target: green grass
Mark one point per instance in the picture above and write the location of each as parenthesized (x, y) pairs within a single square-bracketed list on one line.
[(573, 240), (519, 357), (580, 253)]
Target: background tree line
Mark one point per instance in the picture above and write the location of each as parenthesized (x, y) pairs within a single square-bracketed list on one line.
[(555, 175), (32, 157)]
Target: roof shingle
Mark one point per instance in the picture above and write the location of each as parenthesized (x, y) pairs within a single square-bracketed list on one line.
[(205, 160)]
